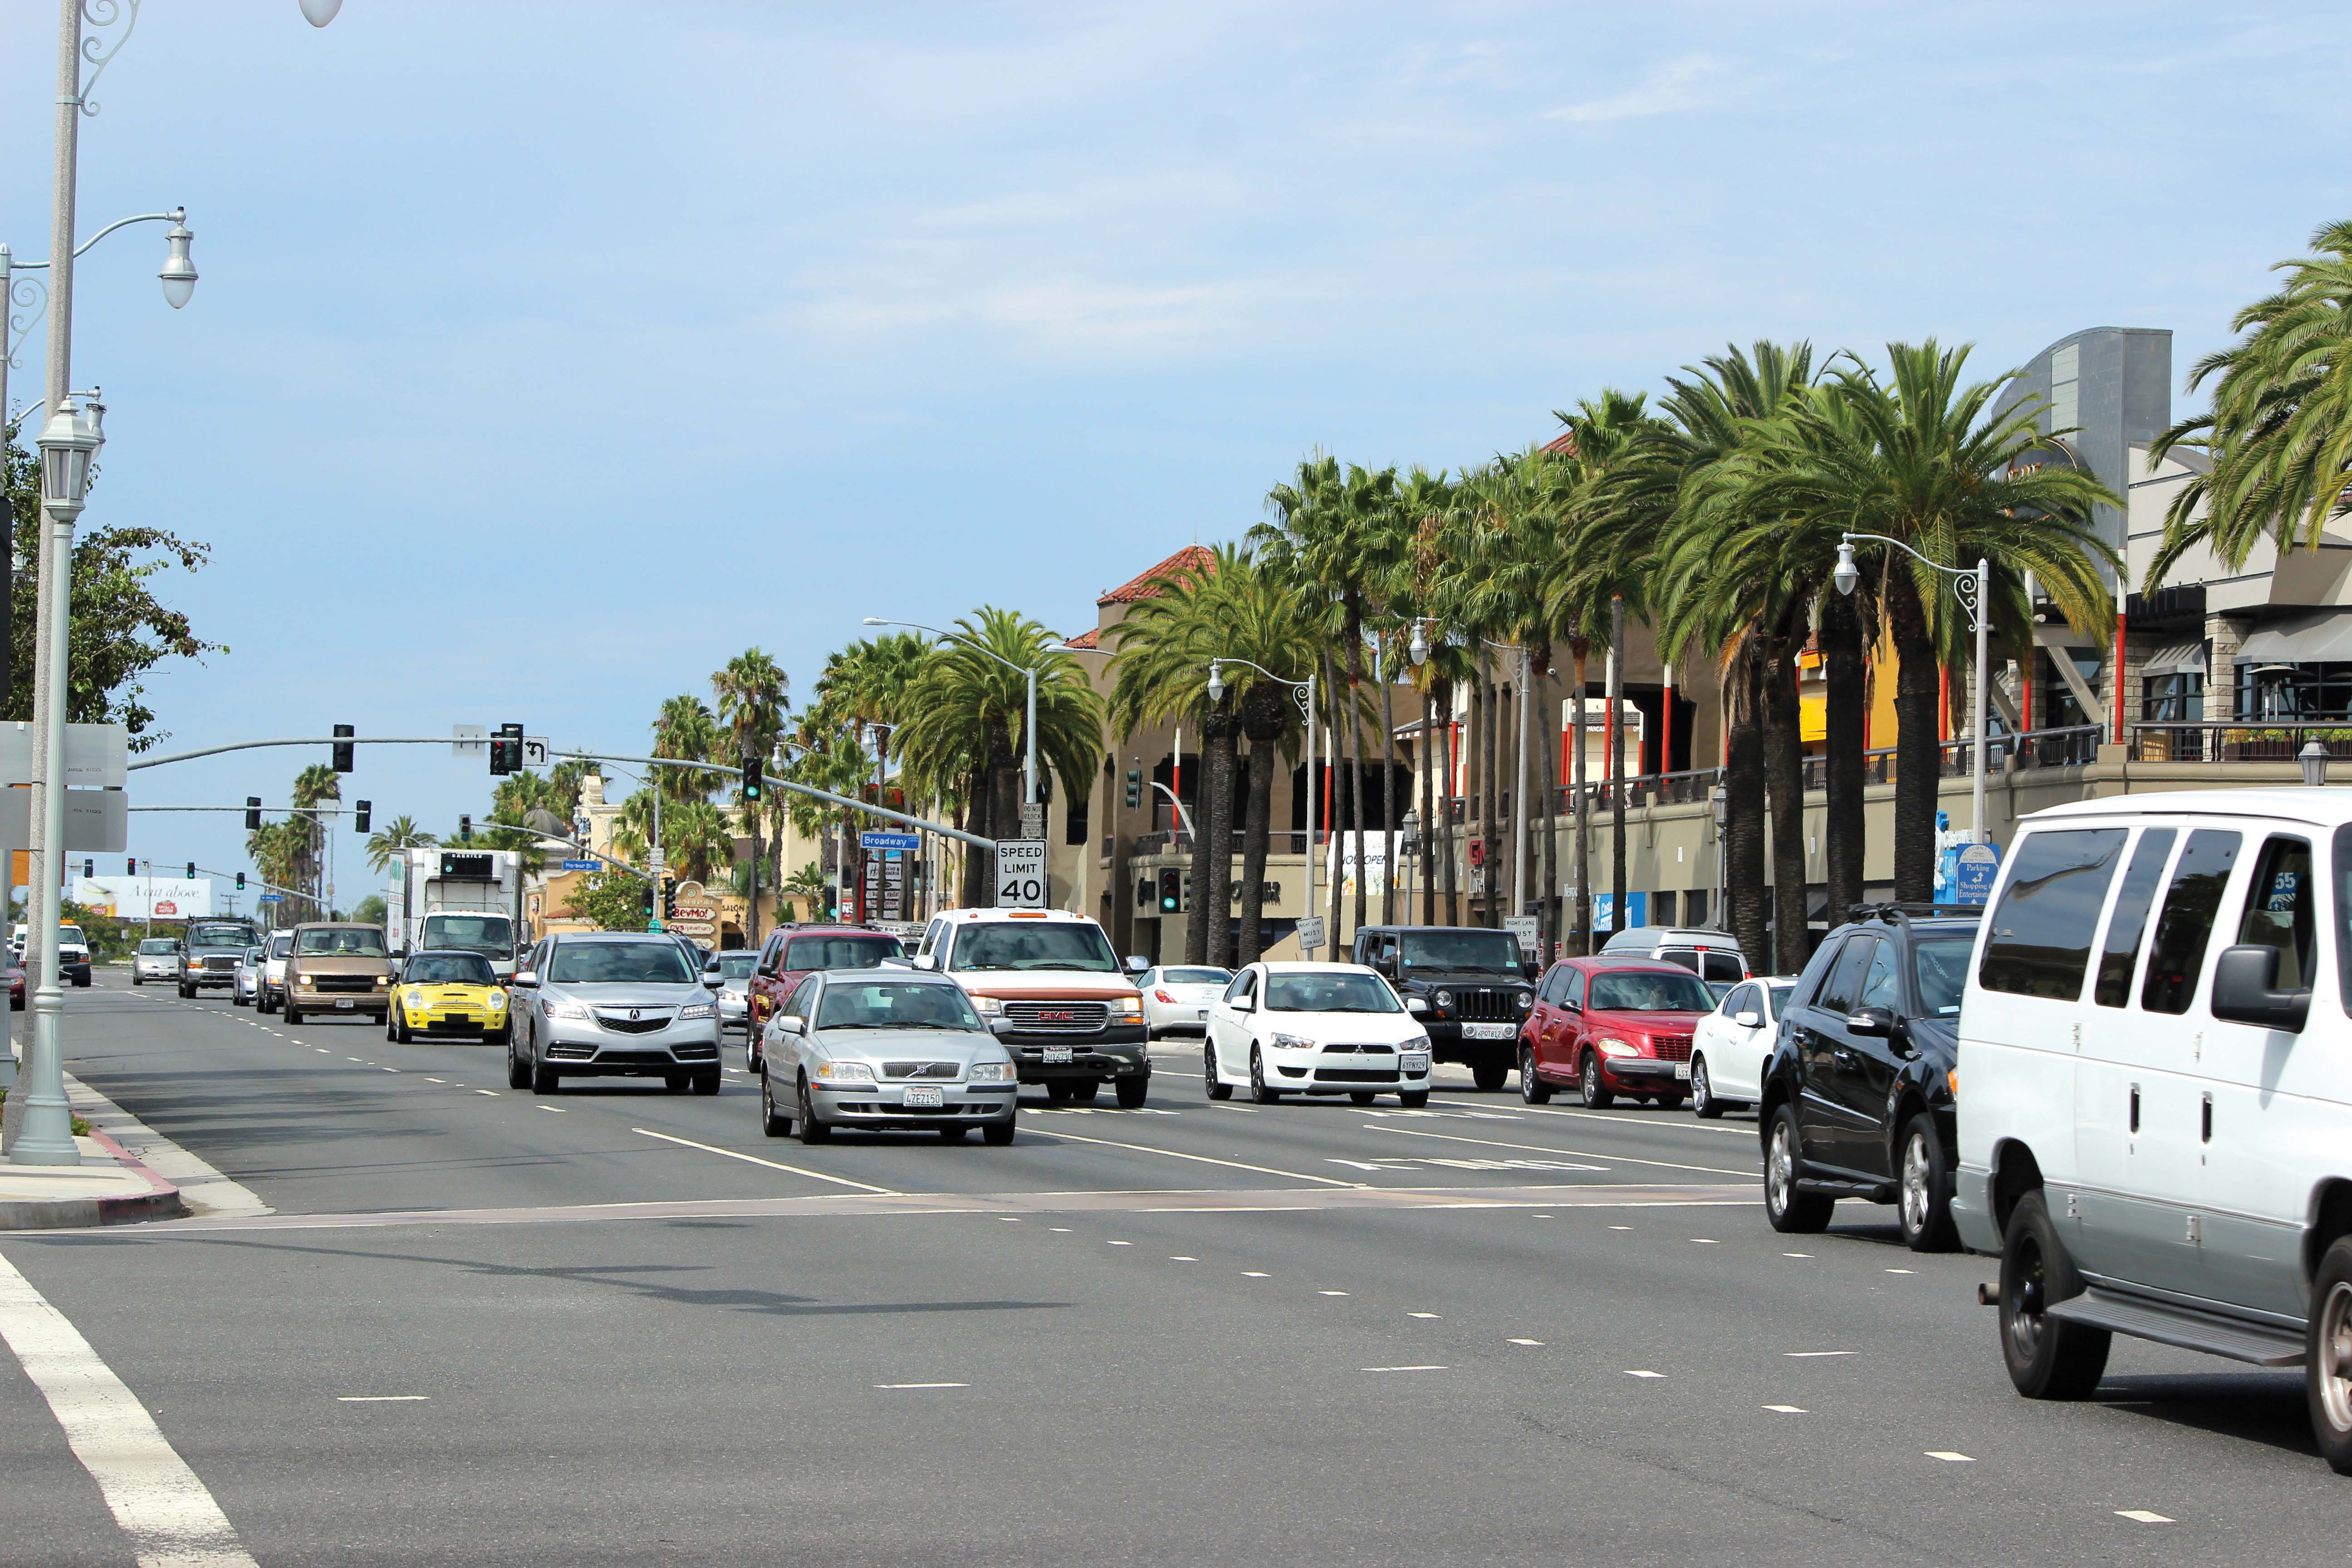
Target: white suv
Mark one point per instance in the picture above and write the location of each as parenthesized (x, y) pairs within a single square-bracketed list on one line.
[(2154, 1085), (1051, 989)]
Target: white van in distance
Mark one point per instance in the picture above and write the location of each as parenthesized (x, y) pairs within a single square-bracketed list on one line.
[(2155, 1088)]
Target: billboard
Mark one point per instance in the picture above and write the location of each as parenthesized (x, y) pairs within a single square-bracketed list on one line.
[(145, 897)]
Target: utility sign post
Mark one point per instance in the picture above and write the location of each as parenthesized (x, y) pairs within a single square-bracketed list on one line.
[(1020, 873)]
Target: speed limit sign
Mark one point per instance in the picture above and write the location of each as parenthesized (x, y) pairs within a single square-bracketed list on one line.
[(1020, 873)]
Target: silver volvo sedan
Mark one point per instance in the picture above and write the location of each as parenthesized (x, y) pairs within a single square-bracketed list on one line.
[(611, 1004), (890, 1047)]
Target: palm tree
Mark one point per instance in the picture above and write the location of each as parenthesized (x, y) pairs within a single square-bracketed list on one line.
[(313, 784), (688, 731), (2280, 433), (1429, 501), (751, 697), (394, 839)]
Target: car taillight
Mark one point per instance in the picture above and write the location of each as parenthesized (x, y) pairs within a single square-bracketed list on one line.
[(1162, 995)]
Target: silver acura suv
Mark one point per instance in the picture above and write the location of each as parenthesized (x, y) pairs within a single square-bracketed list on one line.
[(610, 1004)]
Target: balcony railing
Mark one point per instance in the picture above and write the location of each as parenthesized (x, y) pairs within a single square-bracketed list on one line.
[(2236, 740)]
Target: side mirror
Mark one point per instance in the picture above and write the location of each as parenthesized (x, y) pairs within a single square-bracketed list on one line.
[(788, 1024), (1137, 965), (1872, 1023), (1748, 1020), (1386, 965), (1530, 968), (924, 961), (528, 979), (1244, 1004), (2245, 991), (711, 967), (1000, 1026)]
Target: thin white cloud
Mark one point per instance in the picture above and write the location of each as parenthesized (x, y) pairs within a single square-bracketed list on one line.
[(1694, 81)]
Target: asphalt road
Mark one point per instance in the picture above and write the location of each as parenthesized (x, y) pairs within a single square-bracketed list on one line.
[(617, 1325)]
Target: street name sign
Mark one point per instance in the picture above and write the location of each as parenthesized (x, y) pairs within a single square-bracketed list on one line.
[(272, 898), (881, 838), (579, 865), (1020, 873)]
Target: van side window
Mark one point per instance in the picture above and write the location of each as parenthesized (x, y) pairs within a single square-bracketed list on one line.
[(1687, 957), (2120, 956), (2278, 909), (2040, 943), (2343, 927), (2182, 930), (1721, 966)]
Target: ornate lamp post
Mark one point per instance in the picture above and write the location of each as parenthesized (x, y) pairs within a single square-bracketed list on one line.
[(1304, 690), (1970, 587)]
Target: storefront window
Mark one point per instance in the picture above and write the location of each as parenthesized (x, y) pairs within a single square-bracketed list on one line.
[(2175, 697), (2294, 692)]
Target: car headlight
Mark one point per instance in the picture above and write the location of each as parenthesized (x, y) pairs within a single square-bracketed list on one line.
[(1293, 1043), (384, 980), (1418, 1043), (414, 998), (1131, 1009), (1444, 999), (496, 1001), (1527, 1000), (987, 1006), (304, 982), (991, 1072), (698, 1010), (837, 1071), (1617, 1048), (566, 1010)]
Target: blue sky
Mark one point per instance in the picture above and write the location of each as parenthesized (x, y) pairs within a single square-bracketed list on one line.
[(547, 355)]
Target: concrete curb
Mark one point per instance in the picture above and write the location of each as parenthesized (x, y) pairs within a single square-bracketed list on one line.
[(160, 1201)]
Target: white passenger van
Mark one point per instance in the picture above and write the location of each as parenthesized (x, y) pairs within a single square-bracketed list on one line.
[(2155, 1088)]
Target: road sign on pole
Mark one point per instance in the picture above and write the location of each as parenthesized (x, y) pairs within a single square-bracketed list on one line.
[(1310, 932), (879, 838), (1523, 927), (1021, 874), (534, 751), (1032, 820), (272, 898), (581, 865)]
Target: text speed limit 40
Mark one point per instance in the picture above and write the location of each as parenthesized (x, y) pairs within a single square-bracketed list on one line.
[(1020, 873)]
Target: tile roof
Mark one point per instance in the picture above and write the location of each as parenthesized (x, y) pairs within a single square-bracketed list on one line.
[(1562, 444), (1192, 557), (1090, 638)]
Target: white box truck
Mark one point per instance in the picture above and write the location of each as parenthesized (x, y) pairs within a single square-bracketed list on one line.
[(460, 897)]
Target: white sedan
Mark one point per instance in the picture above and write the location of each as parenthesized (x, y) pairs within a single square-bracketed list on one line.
[(1315, 1029), (1177, 1001), (1729, 1045)]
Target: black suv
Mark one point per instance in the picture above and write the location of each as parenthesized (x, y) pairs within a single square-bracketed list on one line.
[(1467, 985), (1858, 1093)]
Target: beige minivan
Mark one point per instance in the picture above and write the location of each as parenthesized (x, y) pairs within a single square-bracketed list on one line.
[(336, 967)]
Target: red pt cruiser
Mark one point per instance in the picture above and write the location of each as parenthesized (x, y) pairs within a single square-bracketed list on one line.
[(1607, 1026)]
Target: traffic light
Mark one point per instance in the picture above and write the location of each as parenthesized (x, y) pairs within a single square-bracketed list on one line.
[(360, 816), (89, 867), (240, 881), (506, 749), (253, 814), (669, 897), (831, 902), (343, 748), (131, 866), (752, 780), (465, 829), (1171, 891), (192, 870), (1134, 788), (646, 902)]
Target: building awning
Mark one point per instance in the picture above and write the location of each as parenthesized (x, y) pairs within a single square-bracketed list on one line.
[(2322, 637), (2177, 659)]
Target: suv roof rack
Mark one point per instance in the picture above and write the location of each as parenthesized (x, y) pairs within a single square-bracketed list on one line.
[(1903, 914)]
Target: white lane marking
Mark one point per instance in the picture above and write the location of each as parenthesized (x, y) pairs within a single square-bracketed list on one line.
[(922, 1385), (1059, 1229), (355, 1058), (1256, 1274), (1638, 1125), (1541, 1149), (387, 1069), (1620, 1227), (491, 1092), (1122, 1244), (1949, 1458), (772, 1166), (1788, 1409), (1796, 1254), (1523, 1341), (1543, 1216), (1401, 1369), (1706, 1240), (1898, 1271), (1420, 1314), (154, 1496), (1331, 1293), (1205, 1160), (1010, 1218), (1183, 1259), (2142, 1516), (381, 1398), (1644, 1372), (437, 1081), (1811, 1355), (557, 1108)]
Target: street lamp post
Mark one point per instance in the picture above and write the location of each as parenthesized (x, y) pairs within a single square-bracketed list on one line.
[(1304, 690), (1971, 586)]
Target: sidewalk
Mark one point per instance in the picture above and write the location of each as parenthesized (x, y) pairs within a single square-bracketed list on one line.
[(113, 1185)]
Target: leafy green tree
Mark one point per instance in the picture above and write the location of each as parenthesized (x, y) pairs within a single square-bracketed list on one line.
[(610, 901), (753, 704), (394, 839), (370, 911)]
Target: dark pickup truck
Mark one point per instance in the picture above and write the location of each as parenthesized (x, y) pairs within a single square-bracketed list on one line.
[(1467, 985)]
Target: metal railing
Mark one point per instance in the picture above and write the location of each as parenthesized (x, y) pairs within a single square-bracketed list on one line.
[(2235, 739)]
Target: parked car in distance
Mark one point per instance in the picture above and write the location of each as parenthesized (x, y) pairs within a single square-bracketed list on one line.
[(275, 947), (1055, 993), (1315, 1029), (1176, 998), (2156, 1133), (729, 974), (1469, 987), (338, 967), (612, 1005), (1713, 955), (1607, 1026), (449, 991), (1728, 1047), (17, 987), (794, 952), (157, 959), (1857, 1098), (73, 954), (889, 1049), (246, 986)]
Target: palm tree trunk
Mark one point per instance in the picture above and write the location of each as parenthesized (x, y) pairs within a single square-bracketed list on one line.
[(1196, 917), (1474, 786), (1331, 824), (1388, 802), (1450, 843), (1546, 791), (1743, 785), (1916, 752), (1355, 782), (1578, 650), (1490, 822), (1845, 698), (1784, 770), (1222, 733), (1429, 835), (1618, 901), (1255, 833)]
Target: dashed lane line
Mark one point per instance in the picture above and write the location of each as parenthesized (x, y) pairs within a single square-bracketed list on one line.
[(1541, 1149), (772, 1164), (1641, 1125), (1203, 1159)]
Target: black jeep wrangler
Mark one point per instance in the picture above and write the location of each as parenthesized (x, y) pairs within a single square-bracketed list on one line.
[(1469, 986)]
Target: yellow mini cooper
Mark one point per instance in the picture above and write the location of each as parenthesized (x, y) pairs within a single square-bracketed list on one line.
[(447, 992)]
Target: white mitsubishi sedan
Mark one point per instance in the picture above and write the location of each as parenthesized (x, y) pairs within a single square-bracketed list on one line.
[(1729, 1045), (1315, 1029)]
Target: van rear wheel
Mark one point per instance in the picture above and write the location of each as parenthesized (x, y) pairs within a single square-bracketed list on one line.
[(2047, 1358), (2327, 1361)]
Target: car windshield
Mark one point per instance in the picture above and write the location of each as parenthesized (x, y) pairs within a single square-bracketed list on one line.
[(737, 965), (619, 963), (1476, 951), (1217, 977), (804, 952), (158, 944), (1650, 990), (342, 942), (895, 1005), (72, 935), (1939, 968), (450, 969), (1330, 993), (481, 933), (1027, 944), (1781, 995)]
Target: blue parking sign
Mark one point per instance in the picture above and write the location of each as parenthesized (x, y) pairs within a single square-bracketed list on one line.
[(1978, 867)]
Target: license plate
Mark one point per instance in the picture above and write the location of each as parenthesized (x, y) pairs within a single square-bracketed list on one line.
[(344, 1002), (1413, 1063), (1682, 1072), (1488, 1031), (924, 1099), (1057, 1055)]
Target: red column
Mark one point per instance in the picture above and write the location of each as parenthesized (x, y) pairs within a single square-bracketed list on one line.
[(1666, 726), (2118, 715)]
